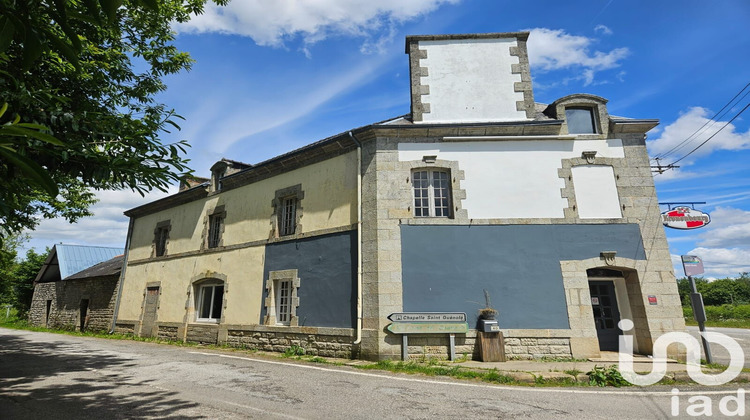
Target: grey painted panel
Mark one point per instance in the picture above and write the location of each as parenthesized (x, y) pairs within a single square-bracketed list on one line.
[(327, 268), (446, 268)]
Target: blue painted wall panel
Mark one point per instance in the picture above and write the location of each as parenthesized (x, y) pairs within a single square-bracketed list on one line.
[(446, 268), (327, 268)]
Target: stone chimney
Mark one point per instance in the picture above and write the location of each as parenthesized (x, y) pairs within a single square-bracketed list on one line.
[(470, 78)]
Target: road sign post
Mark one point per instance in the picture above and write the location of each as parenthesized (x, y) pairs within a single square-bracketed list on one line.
[(406, 323), (693, 266)]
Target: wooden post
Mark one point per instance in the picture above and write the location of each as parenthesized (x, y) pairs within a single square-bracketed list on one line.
[(491, 346)]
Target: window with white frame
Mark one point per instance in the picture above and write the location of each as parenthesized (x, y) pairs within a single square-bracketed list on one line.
[(209, 302), (431, 193), (283, 293), (288, 216), (281, 299)]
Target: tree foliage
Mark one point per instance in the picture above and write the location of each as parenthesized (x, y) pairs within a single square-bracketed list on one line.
[(78, 80), (17, 275), (717, 292)]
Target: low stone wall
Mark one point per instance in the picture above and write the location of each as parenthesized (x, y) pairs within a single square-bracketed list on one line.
[(437, 346), (206, 334), (65, 299), (537, 348), (168, 332), (125, 327), (327, 342)]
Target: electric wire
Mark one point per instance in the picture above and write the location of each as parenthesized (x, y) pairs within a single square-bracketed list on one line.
[(711, 121), (714, 134)]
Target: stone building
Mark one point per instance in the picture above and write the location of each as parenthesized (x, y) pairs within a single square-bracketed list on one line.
[(76, 288), (550, 208)]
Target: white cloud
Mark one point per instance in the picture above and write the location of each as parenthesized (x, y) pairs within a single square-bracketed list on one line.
[(108, 226), (729, 227), (685, 126), (554, 49), (603, 29), (270, 23)]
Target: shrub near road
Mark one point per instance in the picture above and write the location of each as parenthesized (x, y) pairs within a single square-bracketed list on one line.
[(730, 316)]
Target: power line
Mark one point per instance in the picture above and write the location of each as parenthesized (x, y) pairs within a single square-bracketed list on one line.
[(714, 134), (711, 121)]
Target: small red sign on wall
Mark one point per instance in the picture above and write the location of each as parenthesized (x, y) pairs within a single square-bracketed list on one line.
[(652, 300)]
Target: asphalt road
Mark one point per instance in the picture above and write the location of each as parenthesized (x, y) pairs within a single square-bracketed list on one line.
[(49, 376), (719, 353)]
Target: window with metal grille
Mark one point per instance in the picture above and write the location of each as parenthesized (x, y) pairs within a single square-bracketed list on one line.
[(162, 233), (210, 300), (431, 193), (215, 222), (288, 216), (283, 294)]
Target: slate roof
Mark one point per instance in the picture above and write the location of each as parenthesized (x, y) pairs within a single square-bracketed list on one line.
[(66, 260)]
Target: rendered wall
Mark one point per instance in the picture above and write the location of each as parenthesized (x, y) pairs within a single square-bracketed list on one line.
[(446, 268), (512, 179), (329, 205), (327, 269), (470, 80), (330, 189)]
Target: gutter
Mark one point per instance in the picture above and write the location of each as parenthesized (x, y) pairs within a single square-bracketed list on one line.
[(359, 239), (122, 276)]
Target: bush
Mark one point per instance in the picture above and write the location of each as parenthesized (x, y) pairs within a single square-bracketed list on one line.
[(721, 312), (606, 376)]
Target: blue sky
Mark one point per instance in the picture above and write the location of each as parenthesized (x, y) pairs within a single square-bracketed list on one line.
[(271, 76)]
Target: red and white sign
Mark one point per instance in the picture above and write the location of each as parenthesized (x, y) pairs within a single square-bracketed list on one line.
[(685, 218)]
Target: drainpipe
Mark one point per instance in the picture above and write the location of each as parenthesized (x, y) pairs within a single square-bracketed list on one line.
[(359, 239), (122, 276)]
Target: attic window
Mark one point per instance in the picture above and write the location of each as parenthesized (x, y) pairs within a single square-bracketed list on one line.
[(216, 176), (581, 120)]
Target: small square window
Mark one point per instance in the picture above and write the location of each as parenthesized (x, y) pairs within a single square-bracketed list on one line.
[(431, 193), (580, 120)]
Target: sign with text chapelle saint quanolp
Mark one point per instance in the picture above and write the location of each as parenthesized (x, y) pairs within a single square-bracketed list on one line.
[(684, 218), (427, 317), (428, 323)]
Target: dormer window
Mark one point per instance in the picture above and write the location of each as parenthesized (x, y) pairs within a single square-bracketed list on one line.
[(581, 120), (218, 171)]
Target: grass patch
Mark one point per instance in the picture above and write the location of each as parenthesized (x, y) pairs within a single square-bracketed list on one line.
[(727, 323), (727, 316)]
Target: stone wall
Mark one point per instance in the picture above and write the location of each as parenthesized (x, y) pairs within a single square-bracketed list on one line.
[(66, 297), (525, 348), (327, 342)]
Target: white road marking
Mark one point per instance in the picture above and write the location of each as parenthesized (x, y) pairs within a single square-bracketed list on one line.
[(468, 384)]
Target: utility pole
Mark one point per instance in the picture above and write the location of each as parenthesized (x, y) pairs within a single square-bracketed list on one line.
[(694, 266)]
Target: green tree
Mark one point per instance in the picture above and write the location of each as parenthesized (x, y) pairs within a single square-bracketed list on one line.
[(78, 80), (8, 263), (23, 280)]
